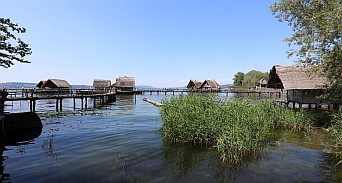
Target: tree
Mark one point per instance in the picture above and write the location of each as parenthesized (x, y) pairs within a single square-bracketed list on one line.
[(238, 78), (9, 52), (317, 27), (252, 78)]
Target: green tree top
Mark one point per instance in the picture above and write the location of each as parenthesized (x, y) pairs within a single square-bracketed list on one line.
[(317, 27), (238, 78), (8, 51)]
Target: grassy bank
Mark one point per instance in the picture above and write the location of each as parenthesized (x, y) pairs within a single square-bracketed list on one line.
[(236, 128)]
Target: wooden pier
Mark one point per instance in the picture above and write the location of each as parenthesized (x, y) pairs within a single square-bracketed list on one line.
[(268, 93), (98, 97)]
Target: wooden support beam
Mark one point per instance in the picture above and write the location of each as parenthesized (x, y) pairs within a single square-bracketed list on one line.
[(61, 104), (57, 104)]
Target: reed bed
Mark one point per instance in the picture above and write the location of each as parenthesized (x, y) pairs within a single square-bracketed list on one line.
[(236, 127), (336, 131)]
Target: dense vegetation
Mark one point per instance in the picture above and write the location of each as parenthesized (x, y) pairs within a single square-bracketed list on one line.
[(317, 37), (250, 79), (236, 128), (336, 131)]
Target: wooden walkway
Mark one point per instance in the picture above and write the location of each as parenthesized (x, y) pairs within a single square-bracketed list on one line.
[(32, 95), (165, 91)]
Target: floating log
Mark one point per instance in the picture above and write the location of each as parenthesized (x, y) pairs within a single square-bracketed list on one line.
[(153, 102)]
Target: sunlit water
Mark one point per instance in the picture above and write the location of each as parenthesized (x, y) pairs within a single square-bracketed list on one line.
[(122, 142)]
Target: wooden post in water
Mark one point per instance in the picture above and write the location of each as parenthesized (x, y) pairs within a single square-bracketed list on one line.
[(86, 102), (94, 99), (74, 103), (34, 105), (61, 104), (57, 104), (82, 103)]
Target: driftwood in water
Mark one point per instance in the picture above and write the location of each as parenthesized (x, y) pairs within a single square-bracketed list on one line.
[(153, 102)]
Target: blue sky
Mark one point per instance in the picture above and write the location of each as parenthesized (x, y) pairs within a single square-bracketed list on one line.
[(163, 43)]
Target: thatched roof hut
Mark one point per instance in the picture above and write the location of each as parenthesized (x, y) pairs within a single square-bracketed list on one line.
[(125, 84), (40, 84), (194, 85), (263, 83), (100, 83), (56, 83), (295, 77), (298, 84), (210, 84)]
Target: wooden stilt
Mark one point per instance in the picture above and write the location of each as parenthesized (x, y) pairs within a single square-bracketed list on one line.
[(57, 104), (61, 104)]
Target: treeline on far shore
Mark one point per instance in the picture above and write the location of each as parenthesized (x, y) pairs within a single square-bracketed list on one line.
[(249, 80)]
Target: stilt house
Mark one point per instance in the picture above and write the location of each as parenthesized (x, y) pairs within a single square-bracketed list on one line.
[(194, 85), (125, 84), (263, 83), (56, 83), (210, 85), (297, 84), (101, 84)]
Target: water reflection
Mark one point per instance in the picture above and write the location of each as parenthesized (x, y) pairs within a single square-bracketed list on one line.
[(292, 156), (180, 159), (328, 169), (48, 147), (18, 138)]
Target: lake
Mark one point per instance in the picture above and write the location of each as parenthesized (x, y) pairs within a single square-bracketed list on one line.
[(122, 142)]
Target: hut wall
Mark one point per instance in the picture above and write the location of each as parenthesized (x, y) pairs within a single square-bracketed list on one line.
[(304, 96)]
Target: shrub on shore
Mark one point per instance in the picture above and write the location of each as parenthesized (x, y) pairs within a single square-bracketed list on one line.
[(236, 128)]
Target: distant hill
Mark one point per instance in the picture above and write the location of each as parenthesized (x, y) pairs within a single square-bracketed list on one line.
[(18, 85), (33, 85), (143, 86), (227, 85)]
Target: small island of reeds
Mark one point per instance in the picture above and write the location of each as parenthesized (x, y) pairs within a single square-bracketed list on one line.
[(236, 128)]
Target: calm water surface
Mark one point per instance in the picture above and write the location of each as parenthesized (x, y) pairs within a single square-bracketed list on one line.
[(122, 142)]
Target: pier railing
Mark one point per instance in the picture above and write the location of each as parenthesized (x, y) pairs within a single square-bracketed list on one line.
[(98, 96), (33, 92)]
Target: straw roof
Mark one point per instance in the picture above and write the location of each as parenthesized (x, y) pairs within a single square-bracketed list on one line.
[(40, 84), (263, 82), (210, 84), (125, 82), (56, 83), (196, 84), (295, 77), (100, 83)]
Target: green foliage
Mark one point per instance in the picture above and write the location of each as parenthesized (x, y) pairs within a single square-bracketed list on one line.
[(9, 52), (336, 131), (236, 128), (317, 36), (252, 78), (238, 78)]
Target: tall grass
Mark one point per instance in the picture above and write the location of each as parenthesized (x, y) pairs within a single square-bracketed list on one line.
[(336, 131), (236, 128)]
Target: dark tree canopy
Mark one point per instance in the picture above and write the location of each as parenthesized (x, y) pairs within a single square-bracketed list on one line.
[(11, 47), (317, 36)]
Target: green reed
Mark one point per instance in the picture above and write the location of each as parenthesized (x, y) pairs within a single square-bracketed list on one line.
[(236, 128), (336, 131)]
